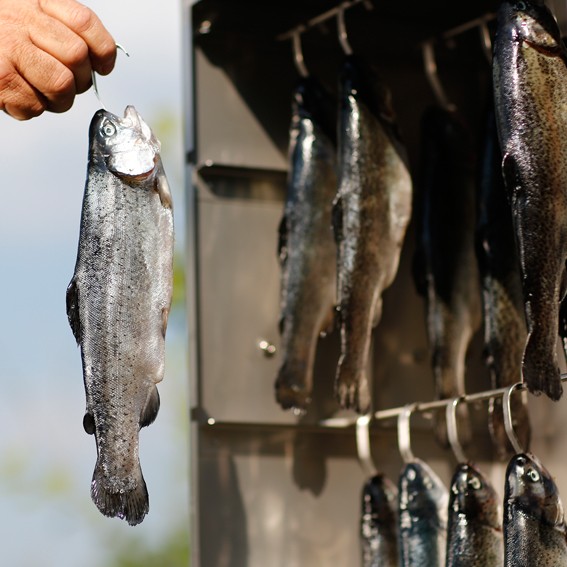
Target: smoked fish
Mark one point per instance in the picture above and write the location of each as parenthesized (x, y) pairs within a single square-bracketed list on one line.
[(474, 532), (423, 501), (504, 321), (530, 87), (370, 217), (445, 266), (379, 523), (118, 301), (534, 526), (307, 250)]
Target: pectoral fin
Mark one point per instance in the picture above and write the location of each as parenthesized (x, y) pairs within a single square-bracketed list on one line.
[(162, 188), (72, 299)]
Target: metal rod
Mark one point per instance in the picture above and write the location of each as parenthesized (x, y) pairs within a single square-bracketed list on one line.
[(458, 30), (322, 17)]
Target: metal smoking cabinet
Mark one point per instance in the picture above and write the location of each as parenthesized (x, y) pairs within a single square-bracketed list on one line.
[(270, 488)]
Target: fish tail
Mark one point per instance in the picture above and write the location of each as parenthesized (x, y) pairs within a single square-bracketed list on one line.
[(292, 385), (539, 367), (351, 385), (127, 500)]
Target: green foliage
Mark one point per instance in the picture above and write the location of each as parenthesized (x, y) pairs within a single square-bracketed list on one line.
[(174, 552)]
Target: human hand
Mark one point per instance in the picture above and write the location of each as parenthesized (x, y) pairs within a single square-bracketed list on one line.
[(48, 49)]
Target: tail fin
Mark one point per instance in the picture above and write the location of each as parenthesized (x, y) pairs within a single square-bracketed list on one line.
[(540, 368), (126, 499)]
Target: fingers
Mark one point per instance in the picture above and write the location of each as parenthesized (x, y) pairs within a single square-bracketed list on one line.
[(17, 97), (47, 53), (86, 24)]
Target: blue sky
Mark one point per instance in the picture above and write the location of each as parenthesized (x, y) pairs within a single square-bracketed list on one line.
[(46, 459)]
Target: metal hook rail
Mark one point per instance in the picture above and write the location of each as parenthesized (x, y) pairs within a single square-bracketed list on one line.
[(427, 407), (301, 28)]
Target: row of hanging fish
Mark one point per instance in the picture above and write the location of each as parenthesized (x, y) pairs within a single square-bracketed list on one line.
[(491, 238), (421, 524), (367, 203)]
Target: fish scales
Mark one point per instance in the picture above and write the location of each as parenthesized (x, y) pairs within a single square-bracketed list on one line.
[(423, 501), (370, 217), (118, 302), (445, 267), (505, 329), (534, 526), (474, 532), (307, 250), (379, 523), (530, 87)]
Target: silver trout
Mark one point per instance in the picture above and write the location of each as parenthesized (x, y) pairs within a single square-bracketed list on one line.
[(474, 532), (530, 87), (534, 527), (423, 501), (445, 267), (379, 523), (505, 329), (307, 250), (370, 217), (118, 302)]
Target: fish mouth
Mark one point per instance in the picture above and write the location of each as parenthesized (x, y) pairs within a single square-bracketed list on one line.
[(137, 122)]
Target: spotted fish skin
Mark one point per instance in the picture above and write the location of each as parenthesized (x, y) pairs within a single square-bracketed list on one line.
[(474, 532), (445, 266), (307, 249), (530, 87), (505, 329), (423, 501), (118, 302), (534, 526), (370, 217), (379, 523)]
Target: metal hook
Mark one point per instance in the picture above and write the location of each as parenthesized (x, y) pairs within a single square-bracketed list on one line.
[(485, 40), (508, 424), (298, 53), (451, 416), (363, 444), (432, 76), (404, 445), (93, 75), (343, 36)]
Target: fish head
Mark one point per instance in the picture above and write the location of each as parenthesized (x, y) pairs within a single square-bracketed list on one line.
[(422, 493), (473, 497), (531, 490), (530, 21), (127, 146), (379, 496)]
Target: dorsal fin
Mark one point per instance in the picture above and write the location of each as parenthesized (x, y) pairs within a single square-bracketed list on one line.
[(72, 299), (151, 409)]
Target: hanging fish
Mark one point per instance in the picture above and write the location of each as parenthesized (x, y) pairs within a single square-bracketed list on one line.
[(118, 301), (534, 527), (530, 87), (370, 217), (379, 523), (503, 305), (307, 250), (474, 532), (445, 268), (423, 501)]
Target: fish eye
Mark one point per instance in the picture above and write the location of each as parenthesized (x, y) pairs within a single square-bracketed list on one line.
[(533, 475), (475, 483), (521, 5), (108, 129)]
